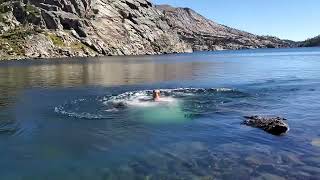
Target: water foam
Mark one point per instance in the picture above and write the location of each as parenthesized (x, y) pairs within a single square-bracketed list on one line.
[(169, 96), (106, 106)]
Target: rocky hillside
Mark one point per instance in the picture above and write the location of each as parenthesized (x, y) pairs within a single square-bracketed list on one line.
[(66, 28), (204, 34), (313, 42)]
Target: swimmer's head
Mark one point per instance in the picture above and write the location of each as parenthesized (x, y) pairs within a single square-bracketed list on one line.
[(156, 94)]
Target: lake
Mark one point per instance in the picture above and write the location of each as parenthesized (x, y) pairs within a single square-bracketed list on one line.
[(90, 118)]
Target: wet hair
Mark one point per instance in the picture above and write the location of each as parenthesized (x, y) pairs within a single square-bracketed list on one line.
[(155, 93)]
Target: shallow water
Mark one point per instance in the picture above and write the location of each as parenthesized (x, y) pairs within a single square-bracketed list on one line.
[(92, 118)]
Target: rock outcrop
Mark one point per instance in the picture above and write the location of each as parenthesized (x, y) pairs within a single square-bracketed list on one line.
[(64, 28), (272, 125)]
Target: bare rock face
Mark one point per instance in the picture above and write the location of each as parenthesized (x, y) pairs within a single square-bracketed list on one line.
[(272, 125), (108, 27), (112, 27), (203, 34), (134, 27)]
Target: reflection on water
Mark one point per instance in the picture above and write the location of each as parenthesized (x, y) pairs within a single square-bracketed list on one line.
[(78, 72), (14, 78), (96, 73), (91, 118)]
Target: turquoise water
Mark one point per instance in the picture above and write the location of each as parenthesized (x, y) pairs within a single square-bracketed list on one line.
[(93, 118)]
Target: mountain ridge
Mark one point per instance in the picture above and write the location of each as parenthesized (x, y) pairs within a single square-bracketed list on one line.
[(311, 42), (62, 28), (209, 35)]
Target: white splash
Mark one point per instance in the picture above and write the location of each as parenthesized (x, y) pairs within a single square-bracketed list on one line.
[(144, 98)]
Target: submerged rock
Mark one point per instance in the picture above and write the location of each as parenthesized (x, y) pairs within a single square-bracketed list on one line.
[(272, 125), (265, 176), (316, 142), (7, 131)]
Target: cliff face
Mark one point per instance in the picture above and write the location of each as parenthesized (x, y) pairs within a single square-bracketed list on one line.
[(64, 28)]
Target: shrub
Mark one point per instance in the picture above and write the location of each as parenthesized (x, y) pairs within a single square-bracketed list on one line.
[(57, 41), (32, 10)]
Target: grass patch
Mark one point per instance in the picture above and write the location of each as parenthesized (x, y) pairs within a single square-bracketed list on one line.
[(16, 34), (12, 42), (57, 41), (77, 46), (32, 10)]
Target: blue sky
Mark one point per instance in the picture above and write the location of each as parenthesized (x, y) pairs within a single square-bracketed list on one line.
[(287, 19)]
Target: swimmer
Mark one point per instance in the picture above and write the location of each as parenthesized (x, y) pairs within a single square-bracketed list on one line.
[(156, 95)]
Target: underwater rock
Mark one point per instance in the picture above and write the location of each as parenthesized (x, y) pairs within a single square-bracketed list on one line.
[(310, 169), (265, 176), (272, 125), (316, 142), (6, 131), (290, 158)]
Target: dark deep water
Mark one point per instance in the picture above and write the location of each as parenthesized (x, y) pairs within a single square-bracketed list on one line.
[(57, 119)]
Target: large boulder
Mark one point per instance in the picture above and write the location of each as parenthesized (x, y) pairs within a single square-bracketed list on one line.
[(272, 125)]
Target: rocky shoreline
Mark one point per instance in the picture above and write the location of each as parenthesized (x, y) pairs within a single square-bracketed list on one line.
[(32, 29)]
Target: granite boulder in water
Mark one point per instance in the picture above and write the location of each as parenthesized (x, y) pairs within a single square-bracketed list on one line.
[(272, 125)]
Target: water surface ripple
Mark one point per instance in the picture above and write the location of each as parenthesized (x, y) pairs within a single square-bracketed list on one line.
[(94, 118)]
